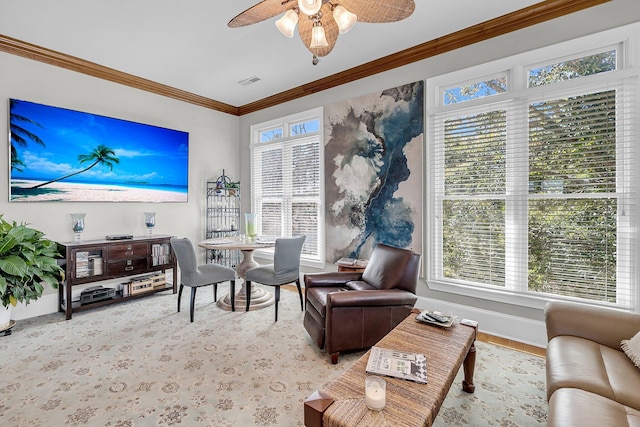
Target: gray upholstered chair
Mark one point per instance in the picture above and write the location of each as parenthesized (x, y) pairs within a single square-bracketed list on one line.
[(285, 269), (195, 276)]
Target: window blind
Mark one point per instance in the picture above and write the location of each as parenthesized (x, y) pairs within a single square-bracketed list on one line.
[(286, 188), (534, 192), (473, 202)]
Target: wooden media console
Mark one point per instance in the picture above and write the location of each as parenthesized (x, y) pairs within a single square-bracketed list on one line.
[(94, 261)]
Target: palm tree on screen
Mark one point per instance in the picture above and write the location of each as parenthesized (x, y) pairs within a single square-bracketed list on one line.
[(101, 155), (20, 136)]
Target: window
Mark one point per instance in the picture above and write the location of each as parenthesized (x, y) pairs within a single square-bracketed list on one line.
[(532, 183), (286, 177)]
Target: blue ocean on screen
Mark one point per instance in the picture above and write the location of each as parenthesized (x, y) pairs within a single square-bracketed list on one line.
[(59, 154), (128, 184)]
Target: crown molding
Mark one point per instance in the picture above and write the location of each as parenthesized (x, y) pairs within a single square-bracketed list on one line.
[(51, 57), (522, 18)]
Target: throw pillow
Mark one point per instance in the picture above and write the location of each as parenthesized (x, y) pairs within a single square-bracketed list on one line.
[(632, 349)]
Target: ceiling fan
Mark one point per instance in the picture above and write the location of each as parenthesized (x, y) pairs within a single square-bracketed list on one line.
[(320, 21)]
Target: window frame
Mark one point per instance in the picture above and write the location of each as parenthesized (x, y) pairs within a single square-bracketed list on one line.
[(625, 41), (289, 141)]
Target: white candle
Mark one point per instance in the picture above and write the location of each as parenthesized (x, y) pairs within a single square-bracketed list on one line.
[(375, 393)]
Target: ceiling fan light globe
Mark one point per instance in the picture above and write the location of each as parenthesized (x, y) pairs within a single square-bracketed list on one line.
[(287, 23), (345, 19), (309, 7), (318, 38)]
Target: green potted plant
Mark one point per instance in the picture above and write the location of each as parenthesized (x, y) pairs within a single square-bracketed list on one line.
[(27, 261)]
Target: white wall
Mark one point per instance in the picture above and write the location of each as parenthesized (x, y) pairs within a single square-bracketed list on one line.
[(616, 13), (213, 140)]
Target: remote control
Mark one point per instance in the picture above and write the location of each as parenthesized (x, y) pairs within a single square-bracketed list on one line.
[(425, 316), (435, 317)]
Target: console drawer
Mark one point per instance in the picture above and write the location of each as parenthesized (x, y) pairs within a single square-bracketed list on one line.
[(128, 250), (128, 266)]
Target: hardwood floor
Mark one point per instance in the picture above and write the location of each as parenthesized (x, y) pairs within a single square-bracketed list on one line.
[(514, 345)]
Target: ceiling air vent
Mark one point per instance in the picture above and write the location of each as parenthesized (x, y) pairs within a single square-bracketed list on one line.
[(250, 80)]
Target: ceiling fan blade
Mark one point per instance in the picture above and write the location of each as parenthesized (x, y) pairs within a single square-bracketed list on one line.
[(261, 11), (378, 11), (331, 31)]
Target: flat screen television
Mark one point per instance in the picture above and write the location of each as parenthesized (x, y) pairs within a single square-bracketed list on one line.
[(61, 155)]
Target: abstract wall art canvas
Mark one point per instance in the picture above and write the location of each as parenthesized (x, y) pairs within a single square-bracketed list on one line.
[(373, 172)]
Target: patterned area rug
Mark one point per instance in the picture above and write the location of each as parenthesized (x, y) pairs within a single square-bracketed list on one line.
[(141, 363), (510, 391)]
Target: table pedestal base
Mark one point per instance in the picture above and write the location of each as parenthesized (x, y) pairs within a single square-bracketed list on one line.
[(259, 299)]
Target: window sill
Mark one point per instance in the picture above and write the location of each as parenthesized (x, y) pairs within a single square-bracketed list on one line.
[(506, 296)]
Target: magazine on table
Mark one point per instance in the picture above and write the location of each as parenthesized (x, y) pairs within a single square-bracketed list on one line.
[(398, 364)]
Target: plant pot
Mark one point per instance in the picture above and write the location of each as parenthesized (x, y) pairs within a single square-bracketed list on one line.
[(5, 317)]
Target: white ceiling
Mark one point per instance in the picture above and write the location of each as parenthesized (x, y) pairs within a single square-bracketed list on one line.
[(186, 44)]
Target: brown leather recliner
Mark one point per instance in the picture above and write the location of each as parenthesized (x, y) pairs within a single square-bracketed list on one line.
[(351, 311)]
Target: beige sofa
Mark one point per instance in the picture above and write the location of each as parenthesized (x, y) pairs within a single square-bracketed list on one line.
[(590, 380)]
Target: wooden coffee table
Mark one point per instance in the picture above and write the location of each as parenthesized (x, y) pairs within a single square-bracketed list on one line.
[(409, 403)]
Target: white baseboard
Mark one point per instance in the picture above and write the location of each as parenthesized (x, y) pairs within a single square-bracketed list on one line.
[(520, 329), (46, 304)]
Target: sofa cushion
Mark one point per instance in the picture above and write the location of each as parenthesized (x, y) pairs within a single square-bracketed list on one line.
[(632, 349), (584, 364), (571, 407)]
